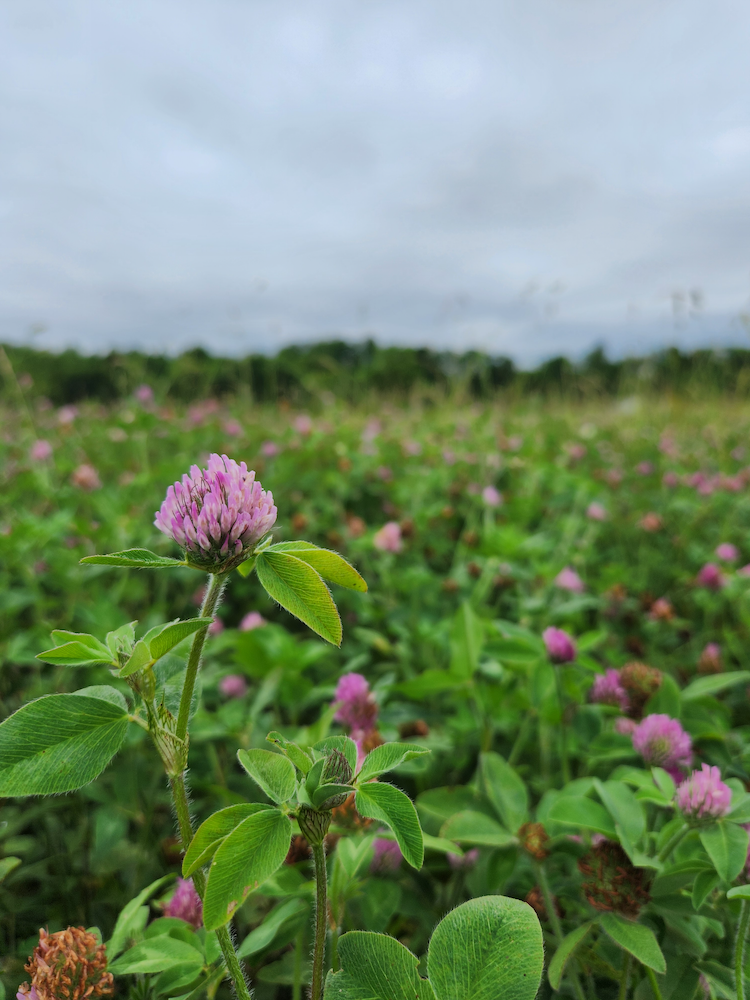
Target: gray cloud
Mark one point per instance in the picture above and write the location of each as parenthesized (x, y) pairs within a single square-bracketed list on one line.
[(525, 178)]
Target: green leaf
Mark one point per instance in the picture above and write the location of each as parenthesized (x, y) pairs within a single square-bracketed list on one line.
[(739, 892), (488, 948), (705, 883), (345, 744), (352, 852), (375, 967), (388, 804), (467, 639), (61, 636), (140, 657), (248, 856), (75, 654), (470, 827), (157, 955), (8, 865), (714, 683), (330, 565), (104, 691), (169, 636), (623, 807), (387, 758), (297, 587), (132, 919), (58, 743), (583, 813), (505, 790), (565, 949), (726, 845), (637, 939), (720, 979), (134, 558), (272, 771), (679, 982), (263, 935), (210, 834), (295, 753)]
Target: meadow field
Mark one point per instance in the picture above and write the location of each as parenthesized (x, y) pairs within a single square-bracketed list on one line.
[(558, 609)]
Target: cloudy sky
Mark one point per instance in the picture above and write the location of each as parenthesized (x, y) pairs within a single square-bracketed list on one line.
[(530, 177)]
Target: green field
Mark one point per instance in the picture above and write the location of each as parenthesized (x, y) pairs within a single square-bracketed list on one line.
[(488, 502)]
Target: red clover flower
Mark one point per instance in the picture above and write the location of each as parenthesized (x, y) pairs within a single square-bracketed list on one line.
[(704, 796), (560, 646), (185, 904), (217, 513), (607, 690), (662, 742)]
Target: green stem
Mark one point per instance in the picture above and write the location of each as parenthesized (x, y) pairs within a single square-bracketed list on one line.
[(739, 950), (625, 977), (563, 730), (523, 735), (182, 808), (214, 590), (321, 918), (673, 841), (654, 985)]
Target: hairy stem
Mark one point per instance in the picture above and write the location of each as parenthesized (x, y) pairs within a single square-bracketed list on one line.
[(321, 919), (673, 841), (739, 950), (211, 598)]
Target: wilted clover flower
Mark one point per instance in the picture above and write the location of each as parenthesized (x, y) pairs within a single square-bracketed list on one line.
[(662, 742), (67, 965), (607, 689), (217, 513), (186, 903), (611, 883), (640, 681), (559, 645), (704, 796)]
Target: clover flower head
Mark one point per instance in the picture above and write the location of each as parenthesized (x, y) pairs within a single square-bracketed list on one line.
[(40, 451), (388, 538), (70, 964), (662, 742), (710, 661), (704, 796), (611, 882), (357, 706), (233, 686), (568, 579), (218, 512), (387, 856), (710, 577), (492, 496), (252, 620), (727, 552), (185, 903), (596, 512), (559, 645), (607, 690)]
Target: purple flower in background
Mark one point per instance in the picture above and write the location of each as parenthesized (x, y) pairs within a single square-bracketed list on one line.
[(625, 726), (357, 706), (662, 742), (710, 577), (710, 660), (388, 538), (269, 449), (607, 690), (704, 796), (233, 686), (644, 468), (568, 579), (144, 394), (85, 477), (596, 512), (727, 552), (40, 451), (670, 479), (388, 856), (67, 414), (560, 646), (185, 903), (744, 570), (491, 496), (303, 424), (216, 627), (216, 513), (462, 863), (253, 619)]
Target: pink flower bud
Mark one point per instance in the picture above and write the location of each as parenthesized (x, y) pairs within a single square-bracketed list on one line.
[(388, 538), (710, 577), (253, 619), (596, 512), (568, 579), (727, 552), (40, 451), (560, 647), (491, 496), (233, 686)]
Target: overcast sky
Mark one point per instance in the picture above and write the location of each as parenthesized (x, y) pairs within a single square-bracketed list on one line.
[(529, 177)]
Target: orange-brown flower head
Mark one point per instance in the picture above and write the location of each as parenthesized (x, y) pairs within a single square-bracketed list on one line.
[(67, 965), (533, 838), (640, 682)]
